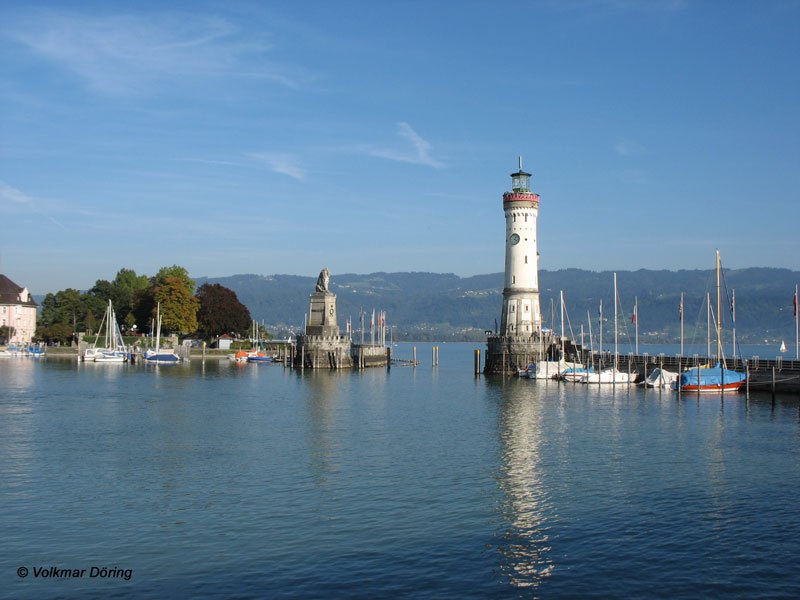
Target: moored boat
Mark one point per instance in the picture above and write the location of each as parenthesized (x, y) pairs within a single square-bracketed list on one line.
[(710, 379), (575, 372), (544, 369), (612, 375), (160, 355), (717, 378), (659, 378)]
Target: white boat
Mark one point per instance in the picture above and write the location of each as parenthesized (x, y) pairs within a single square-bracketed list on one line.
[(574, 372), (612, 375), (659, 378), (114, 349), (160, 355), (783, 346), (544, 369)]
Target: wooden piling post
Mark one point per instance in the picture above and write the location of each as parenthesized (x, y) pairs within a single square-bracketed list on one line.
[(747, 379), (773, 384), (477, 361)]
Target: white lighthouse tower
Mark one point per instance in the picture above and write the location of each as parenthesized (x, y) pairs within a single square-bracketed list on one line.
[(520, 340), (521, 311)]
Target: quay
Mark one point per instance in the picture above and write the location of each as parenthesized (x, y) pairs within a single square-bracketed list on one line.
[(776, 375)]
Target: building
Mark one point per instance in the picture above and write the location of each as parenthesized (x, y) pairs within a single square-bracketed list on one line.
[(17, 310), (520, 339)]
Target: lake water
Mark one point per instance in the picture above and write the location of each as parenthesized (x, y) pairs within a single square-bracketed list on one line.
[(219, 480)]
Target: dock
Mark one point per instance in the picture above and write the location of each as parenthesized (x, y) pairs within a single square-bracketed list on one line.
[(776, 375)]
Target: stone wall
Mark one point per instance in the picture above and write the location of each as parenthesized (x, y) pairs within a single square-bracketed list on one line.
[(323, 352)]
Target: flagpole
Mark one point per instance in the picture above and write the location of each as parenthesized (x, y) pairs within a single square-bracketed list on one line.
[(636, 321), (796, 327)]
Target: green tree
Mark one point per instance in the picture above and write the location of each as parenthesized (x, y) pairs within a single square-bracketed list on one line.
[(6, 333), (178, 306), (66, 306), (126, 287), (220, 311), (59, 332)]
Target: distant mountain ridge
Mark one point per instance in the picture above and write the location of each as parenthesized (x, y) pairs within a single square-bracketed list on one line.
[(427, 305)]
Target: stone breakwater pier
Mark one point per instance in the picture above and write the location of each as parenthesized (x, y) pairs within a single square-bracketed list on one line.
[(322, 346)]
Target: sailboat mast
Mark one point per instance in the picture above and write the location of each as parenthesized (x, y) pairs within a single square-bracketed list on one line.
[(681, 315), (719, 312), (733, 321), (616, 335), (562, 324), (708, 325), (158, 326)]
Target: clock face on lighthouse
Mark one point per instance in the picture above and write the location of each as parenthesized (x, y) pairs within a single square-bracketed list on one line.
[(514, 239)]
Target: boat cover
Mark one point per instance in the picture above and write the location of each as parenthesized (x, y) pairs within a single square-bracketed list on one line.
[(711, 376)]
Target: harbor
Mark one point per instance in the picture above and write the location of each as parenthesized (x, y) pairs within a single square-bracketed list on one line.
[(286, 483)]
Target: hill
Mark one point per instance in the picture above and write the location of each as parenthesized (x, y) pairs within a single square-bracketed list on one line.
[(445, 306)]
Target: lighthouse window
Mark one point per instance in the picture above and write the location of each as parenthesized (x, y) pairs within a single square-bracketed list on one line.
[(526, 218), (526, 260), (515, 218), (513, 279)]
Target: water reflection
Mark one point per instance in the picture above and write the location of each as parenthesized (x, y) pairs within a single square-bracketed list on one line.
[(525, 545), (323, 429)]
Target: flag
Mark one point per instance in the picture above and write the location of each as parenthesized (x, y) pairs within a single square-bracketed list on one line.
[(680, 310), (633, 318), (794, 303), (733, 305)]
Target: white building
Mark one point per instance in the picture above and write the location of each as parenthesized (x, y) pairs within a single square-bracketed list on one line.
[(17, 310), (521, 312)]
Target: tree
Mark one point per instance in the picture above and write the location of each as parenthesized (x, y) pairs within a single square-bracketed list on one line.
[(66, 306), (59, 332), (178, 306), (6, 333), (177, 272), (126, 285), (220, 311)]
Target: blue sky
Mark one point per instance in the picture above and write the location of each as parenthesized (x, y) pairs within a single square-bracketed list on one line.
[(275, 137)]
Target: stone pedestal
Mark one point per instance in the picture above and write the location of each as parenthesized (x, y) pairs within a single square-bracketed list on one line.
[(322, 347), (322, 315)]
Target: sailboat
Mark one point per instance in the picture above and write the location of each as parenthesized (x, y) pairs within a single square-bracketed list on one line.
[(717, 378), (783, 346), (160, 355), (612, 375), (114, 349)]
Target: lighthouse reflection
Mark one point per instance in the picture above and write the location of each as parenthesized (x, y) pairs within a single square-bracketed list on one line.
[(525, 542)]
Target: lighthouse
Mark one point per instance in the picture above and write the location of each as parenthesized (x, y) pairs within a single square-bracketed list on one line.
[(521, 311), (520, 339)]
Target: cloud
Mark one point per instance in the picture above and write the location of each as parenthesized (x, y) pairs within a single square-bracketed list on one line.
[(284, 163), (11, 198), (421, 154), (625, 147), (127, 54)]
